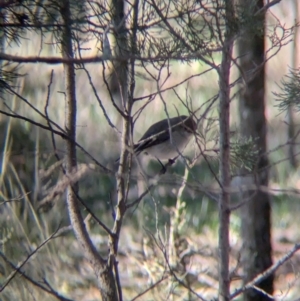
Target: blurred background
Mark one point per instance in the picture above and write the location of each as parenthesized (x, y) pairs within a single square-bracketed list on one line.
[(27, 153)]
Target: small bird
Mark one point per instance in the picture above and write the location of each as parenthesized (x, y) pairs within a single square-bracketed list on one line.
[(158, 143)]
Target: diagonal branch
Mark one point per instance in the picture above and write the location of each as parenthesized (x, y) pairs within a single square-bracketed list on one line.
[(266, 273)]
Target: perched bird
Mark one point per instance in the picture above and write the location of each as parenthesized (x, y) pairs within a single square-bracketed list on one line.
[(166, 139)]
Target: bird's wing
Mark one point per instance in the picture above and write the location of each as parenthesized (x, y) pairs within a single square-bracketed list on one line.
[(146, 141)]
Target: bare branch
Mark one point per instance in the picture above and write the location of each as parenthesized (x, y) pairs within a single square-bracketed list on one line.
[(266, 273)]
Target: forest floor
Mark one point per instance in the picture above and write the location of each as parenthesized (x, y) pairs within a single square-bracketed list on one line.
[(143, 264)]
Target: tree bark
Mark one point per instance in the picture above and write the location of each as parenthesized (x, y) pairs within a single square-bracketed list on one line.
[(103, 271), (224, 169), (2, 50), (256, 213), (118, 80), (291, 131)]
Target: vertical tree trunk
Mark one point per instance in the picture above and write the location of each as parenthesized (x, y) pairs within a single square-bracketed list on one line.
[(290, 112), (2, 50), (256, 213), (118, 80), (224, 169), (102, 270)]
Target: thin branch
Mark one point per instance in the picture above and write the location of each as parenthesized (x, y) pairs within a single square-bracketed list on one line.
[(35, 283), (267, 6), (62, 135), (150, 287), (47, 116), (18, 269), (101, 103), (266, 273), (164, 252)]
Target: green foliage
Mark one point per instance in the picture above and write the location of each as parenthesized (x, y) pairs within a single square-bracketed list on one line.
[(188, 30), (247, 21), (290, 91), (243, 153)]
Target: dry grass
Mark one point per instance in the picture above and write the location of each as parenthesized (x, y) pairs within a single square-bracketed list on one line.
[(146, 237)]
